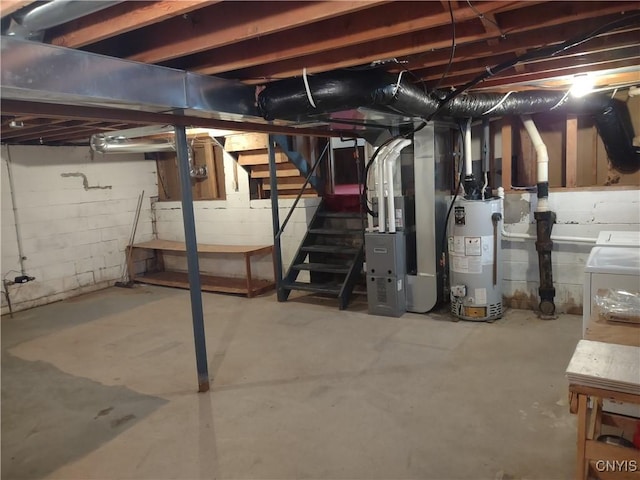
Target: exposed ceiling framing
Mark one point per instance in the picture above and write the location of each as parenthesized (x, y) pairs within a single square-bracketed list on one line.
[(261, 41)]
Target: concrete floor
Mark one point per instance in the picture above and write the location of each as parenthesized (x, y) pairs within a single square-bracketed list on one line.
[(103, 387)]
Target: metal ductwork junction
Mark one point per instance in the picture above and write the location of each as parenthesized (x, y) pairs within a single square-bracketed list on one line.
[(105, 144), (344, 90), (101, 143), (31, 22)]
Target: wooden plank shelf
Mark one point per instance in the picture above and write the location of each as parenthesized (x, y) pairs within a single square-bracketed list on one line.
[(209, 283)]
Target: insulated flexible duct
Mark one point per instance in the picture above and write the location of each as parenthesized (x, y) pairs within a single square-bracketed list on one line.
[(350, 89)]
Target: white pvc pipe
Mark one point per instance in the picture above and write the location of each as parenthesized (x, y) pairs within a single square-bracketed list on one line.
[(380, 190), (390, 160), (468, 157), (527, 236), (542, 159)]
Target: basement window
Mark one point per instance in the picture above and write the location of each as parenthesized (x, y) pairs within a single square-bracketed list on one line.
[(207, 181)]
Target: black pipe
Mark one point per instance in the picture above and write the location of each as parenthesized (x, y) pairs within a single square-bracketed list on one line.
[(349, 89), (544, 246)]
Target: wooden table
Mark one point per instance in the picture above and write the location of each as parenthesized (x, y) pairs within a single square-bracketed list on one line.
[(592, 456), (159, 276), (587, 402)]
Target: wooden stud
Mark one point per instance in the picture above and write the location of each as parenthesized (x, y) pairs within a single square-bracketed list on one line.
[(492, 155), (507, 144), (571, 152), (581, 462)]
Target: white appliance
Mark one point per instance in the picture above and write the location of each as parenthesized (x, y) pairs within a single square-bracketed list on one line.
[(609, 268)]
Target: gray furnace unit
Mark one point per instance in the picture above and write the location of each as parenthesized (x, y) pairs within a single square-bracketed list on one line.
[(404, 271)]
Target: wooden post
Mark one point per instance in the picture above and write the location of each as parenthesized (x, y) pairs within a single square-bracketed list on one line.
[(581, 463), (571, 153), (247, 262), (492, 156), (507, 132)]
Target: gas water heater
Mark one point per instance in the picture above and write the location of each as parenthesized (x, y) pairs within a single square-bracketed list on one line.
[(475, 259)]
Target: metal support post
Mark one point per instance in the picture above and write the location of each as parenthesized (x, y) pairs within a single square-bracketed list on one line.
[(192, 258), (275, 217)]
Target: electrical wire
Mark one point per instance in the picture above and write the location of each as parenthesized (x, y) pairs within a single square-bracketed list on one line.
[(453, 48)]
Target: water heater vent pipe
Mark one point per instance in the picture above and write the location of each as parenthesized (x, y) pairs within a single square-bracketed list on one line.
[(542, 163)]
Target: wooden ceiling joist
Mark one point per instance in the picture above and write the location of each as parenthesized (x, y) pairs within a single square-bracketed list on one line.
[(121, 18), (259, 41), (371, 24), (419, 43), (599, 46), (519, 42), (211, 27), (540, 71), (136, 117)]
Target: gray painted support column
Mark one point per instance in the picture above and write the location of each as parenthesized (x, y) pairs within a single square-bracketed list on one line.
[(192, 258), (275, 217)]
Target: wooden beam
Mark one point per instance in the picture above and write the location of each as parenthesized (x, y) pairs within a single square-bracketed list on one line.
[(422, 43), (373, 24), (557, 13), (571, 152), (50, 125), (394, 47), (542, 71), (507, 152), (121, 18), (7, 7), (520, 41), (134, 117), (600, 50), (219, 25), (490, 24), (520, 68)]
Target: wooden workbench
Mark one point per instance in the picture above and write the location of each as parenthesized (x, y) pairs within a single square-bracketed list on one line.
[(587, 401), (592, 455), (209, 283)]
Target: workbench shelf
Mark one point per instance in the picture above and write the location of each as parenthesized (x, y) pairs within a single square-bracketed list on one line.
[(157, 275)]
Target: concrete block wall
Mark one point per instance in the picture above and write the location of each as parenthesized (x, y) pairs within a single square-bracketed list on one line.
[(579, 214), (75, 214), (237, 220)]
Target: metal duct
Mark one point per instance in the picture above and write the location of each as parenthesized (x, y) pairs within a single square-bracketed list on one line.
[(33, 22), (104, 144), (345, 90)]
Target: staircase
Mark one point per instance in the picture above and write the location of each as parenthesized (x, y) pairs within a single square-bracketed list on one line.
[(250, 151), (332, 251)]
